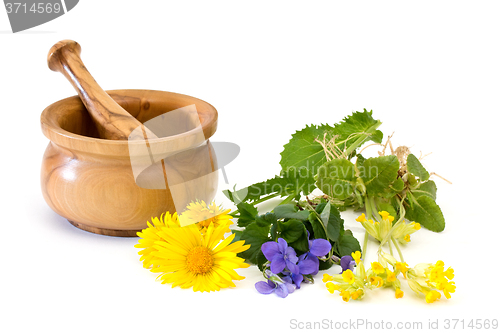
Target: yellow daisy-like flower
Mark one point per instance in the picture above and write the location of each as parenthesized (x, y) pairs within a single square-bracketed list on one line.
[(150, 235), (186, 258), (204, 215)]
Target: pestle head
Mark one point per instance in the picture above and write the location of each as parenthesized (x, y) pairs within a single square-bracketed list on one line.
[(54, 56), (112, 121)]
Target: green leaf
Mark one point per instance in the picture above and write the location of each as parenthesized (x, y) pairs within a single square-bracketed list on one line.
[(378, 173), (396, 187), (237, 235), (358, 128), (415, 167), (302, 155), (317, 226), (291, 230), (336, 178), (301, 245), (323, 265), (255, 236), (335, 225), (261, 261), (359, 162), (426, 212), (280, 185), (428, 188), (247, 214), (347, 245), (290, 211), (325, 214), (265, 220), (386, 206)]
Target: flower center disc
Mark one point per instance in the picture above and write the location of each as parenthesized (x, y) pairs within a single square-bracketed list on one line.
[(207, 220), (199, 260)]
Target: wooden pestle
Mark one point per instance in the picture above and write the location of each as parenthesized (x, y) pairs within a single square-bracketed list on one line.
[(112, 121)]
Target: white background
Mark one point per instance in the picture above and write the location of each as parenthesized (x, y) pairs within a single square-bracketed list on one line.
[(429, 70)]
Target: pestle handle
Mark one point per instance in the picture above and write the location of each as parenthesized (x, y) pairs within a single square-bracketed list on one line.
[(112, 121)]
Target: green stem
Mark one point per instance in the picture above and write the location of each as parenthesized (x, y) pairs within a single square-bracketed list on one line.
[(270, 196), (368, 208), (365, 245), (397, 248), (287, 200), (374, 209), (256, 202), (311, 209), (390, 249)]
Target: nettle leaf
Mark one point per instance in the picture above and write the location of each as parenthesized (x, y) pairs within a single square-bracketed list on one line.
[(426, 212), (303, 155), (359, 125), (428, 188), (378, 173), (415, 167), (247, 214), (291, 230), (347, 245), (335, 225), (336, 178), (290, 211), (255, 236)]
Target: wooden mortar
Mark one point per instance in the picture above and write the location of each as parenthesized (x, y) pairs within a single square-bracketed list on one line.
[(90, 181)]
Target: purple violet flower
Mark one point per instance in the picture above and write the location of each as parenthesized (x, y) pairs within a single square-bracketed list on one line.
[(346, 263), (281, 286), (281, 256), (308, 262)]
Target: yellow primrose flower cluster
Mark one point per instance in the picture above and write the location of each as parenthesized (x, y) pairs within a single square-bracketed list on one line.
[(353, 285), (379, 230), (424, 279), (430, 279), (194, 256)]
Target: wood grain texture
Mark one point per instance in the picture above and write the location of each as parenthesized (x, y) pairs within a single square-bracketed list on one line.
[(89, 180), (111, 120)]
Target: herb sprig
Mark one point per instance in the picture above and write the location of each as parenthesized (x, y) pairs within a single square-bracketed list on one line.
[(329, 158)]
